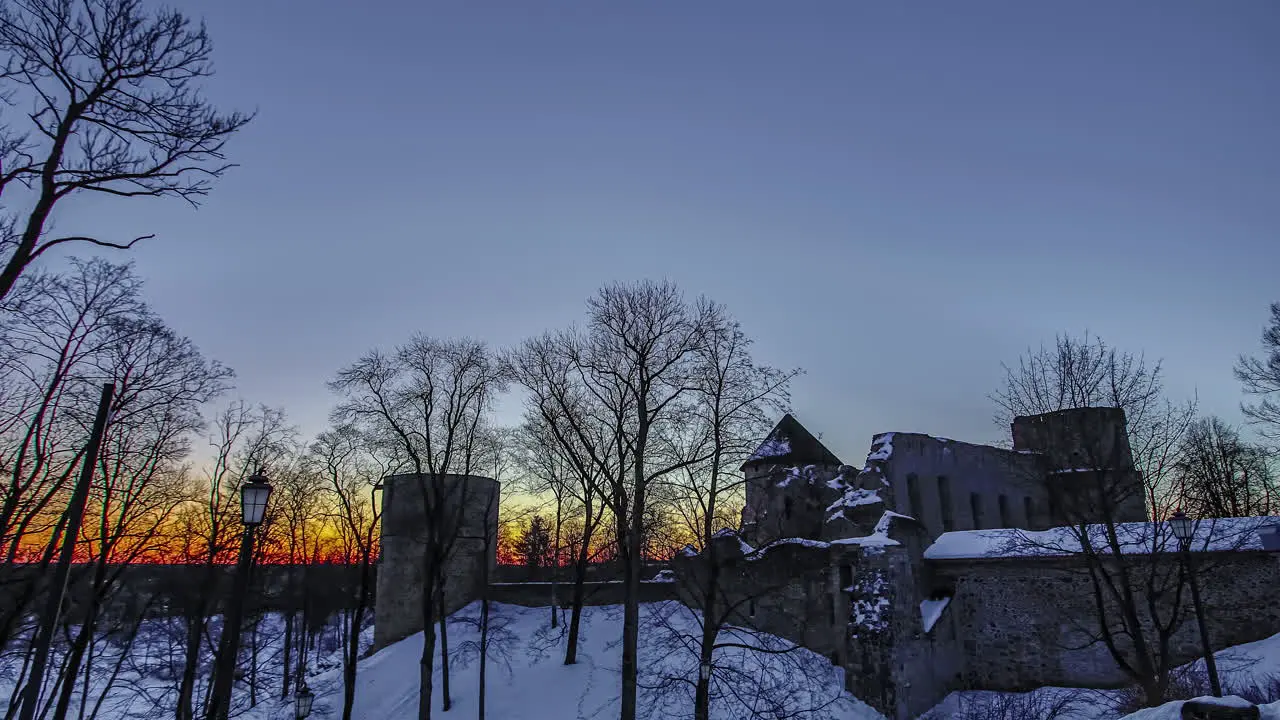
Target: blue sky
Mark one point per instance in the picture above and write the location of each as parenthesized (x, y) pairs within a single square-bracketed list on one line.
[(896, 197)]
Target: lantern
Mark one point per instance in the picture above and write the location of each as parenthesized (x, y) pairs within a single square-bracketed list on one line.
[(253, 499), (1182, 526), (302, 702)]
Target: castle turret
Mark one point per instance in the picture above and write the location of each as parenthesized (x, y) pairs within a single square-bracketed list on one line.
[(1090, 475), (470, 512), (787, 491)]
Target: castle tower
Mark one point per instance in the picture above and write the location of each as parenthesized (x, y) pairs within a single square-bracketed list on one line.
[(1088, 463), (470, 512), (785, 479)]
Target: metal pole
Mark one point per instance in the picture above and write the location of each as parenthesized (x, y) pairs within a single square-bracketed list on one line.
[(1210, 665), (58, 587), (229, 643)]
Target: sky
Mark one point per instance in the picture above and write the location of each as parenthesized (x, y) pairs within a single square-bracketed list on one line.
[(895, 197)]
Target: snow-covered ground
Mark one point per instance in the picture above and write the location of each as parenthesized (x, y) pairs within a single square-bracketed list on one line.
[(527, 679)]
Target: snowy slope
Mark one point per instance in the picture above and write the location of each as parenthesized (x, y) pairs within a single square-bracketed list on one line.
[(527, 680)]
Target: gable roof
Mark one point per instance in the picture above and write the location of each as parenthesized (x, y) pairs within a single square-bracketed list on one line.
[(789, 443)]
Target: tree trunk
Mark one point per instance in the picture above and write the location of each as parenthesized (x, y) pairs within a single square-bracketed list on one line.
[(631, 599), (555, 568), (579, 592), (351, 661), (446, 703), (428, 639), (253, 664), (484, 626), (288, 649)]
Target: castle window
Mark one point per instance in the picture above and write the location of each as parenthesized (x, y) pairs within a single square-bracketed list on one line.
[(751, 607), (846, 576), (913, 496), (1028, 511), (833, 610), (1002, 503), (975, 510), (786, 508), (944, 502)]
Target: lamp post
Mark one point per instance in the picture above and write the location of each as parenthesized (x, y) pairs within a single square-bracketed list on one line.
[(253, 505), (1183, 529), (302, 700)]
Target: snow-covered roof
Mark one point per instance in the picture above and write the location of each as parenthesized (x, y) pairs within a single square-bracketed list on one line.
[(1211, 535), (790, 443)]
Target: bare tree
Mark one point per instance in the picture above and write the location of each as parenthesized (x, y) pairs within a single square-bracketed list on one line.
[(430, 399), (567, 429), (1137, 581), (544, 471), (162, 382), (638, 359), (353, 471), (1221, 475), (735, 402), (1083, 372), (244, 439), (115, 108), (1260, 376)]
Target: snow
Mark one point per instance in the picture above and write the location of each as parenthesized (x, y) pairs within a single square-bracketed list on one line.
[(852, 497), (771, 447), (147, 684), (1220, 534), (1173, 710), (806, 473), (879, 536), (931, 610), (667, 575), (528, 681), (869, 609), (885, 449)]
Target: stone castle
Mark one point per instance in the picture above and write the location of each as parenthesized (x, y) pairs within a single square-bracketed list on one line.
[(907, 572)]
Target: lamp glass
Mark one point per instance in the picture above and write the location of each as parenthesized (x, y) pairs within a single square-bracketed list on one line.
[(1181, 525), (302, 702), (253, 500)]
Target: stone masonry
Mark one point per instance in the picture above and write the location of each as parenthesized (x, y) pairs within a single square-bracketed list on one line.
[(470, 510), (835, 559)]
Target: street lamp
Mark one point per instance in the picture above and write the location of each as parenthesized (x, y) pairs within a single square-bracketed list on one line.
[(1183, 529), (253, 506), (302, 701)]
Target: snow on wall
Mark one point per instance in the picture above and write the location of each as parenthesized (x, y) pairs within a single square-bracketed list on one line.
[(881, 448), (1133, 539), (869, 609), (852, 497), (931, 610), (808, 474)]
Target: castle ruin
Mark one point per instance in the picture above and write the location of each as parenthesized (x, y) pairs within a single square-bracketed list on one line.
[(942, 565), (913, 572)]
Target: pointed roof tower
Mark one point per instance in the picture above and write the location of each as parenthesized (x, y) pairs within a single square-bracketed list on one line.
[(789, 443)]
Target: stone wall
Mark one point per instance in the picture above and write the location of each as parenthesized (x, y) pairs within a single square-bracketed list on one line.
[(471, 512), (1022, 618), (941, 482)]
